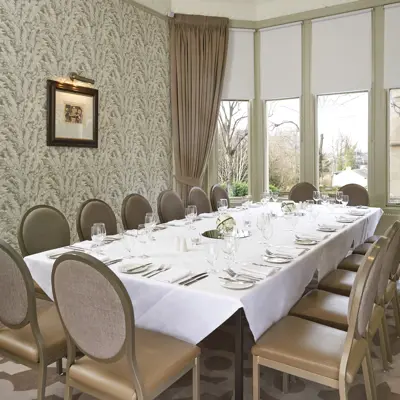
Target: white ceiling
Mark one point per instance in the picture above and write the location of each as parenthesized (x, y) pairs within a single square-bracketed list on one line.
[(253, 10)]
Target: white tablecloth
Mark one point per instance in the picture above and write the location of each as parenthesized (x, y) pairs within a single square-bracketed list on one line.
[(191, 313)]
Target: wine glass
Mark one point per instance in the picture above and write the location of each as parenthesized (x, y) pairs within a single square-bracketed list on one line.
[(212, 253), (191, 214), (231, 245), (309, 205), (339, 197), (129, 242), (265, 198), (222, 205), (150, 224), (345, 200), (316, 196), (292, 219), (98, 233), (143, 238), (324, 198), (275, 196)]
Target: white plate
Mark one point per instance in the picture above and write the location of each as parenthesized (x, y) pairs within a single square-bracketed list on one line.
[(277, 260), (237, 285), (345, 221), (306, 242), (139, 268), (327, 229)]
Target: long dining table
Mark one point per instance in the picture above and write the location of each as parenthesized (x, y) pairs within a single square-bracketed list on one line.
[(192, 312)]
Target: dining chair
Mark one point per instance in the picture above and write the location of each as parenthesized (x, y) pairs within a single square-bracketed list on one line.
[(91, 212), (170, 206), (42, 228), (134, 209), (302, 191), (331, 309), (358, 195), (321, 353), (30, 337), (218, 193), (120, 360), (198, 197)]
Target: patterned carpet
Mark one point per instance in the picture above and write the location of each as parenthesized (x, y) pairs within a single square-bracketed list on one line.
[(18, 382)]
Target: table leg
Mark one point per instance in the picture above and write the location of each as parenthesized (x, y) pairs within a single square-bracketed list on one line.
[(239, 354)]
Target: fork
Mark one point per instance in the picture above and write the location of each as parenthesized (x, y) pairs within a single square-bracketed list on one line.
[(156, 271), (280, 255), (241, 277)]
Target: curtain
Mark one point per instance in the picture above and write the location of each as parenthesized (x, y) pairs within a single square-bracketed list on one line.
[(198, 57)]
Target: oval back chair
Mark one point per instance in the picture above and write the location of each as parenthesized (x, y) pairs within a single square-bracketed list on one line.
[(358, 195), (170, 206), (301, 192), (198, 197), (134, 209), (218, 193)]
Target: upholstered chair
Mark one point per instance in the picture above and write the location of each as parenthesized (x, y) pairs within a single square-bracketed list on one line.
[(198, 197), (93, 211), (331, 308), (321, 353), (218, 193), (42, 228), (301, 192), (134, 209), (170, 206), (358, 195), (120, 361), (35, 339)]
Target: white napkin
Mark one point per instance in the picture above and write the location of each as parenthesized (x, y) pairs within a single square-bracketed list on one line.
[(177, 223), (330, 226), (312, 236), (288, 251), (58, 252), (346, 218), (257, 273), (172, 275), (86, 245), (359, 213), (207, 215), (254, 205)]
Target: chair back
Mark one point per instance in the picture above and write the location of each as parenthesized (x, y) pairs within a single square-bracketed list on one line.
[(198, 197), (170, 206), (364, 290), (358, 195), (390, 260), (43, 228), (302, 191), (17, 292), (134, 209), (218, 193), (93, 211)]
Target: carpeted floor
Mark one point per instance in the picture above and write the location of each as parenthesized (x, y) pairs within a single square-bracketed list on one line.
[(18, 382)]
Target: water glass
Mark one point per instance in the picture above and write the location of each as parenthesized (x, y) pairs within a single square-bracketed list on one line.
[(247, 220), (292, 219), (231, 245), (212, 253), (275, 196), (98, 233), (143, 238), (309, 205), (222, 205), (316, 196), (324, 198), (129, 242), (265, 198), (191, 215), (339, 197), (345, 200)]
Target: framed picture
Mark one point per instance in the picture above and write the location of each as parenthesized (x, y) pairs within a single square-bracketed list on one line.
[(72, 115)]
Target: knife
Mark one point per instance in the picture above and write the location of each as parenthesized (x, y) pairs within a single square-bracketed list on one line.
[(196, 280), (184, 282)]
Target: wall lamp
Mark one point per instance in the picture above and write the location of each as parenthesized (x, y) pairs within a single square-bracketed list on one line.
[(75, 77)]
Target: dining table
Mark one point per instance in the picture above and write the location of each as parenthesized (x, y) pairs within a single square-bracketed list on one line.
[(281, 264)]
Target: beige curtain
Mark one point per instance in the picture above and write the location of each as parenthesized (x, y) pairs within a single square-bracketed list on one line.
[(198, 57)]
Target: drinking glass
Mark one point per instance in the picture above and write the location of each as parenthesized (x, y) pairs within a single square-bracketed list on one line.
[(339, 197), (316, 196), (309, 205), (231, 245), (324, 198), (143, 238), (191, 214), (247, 220), (247, 202), (212, 253), (261, 222), (98, 233), (222, 205), (345, 200), (275, 196), (292, 219), (129, 242), (265, 198)]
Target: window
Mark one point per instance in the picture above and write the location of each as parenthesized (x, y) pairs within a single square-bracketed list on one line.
[(342, 140), (283, 143), (394, 146), (232, 142)]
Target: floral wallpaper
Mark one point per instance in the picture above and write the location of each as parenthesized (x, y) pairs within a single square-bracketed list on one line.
[(125, 50)]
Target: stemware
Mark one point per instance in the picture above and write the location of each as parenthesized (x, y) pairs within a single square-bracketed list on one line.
[(292, 219), (98, 233), (339, 197), (129, 242), (345, 200), (150, 224), (275, 196), (265, 198), (212, 253), (222, 205), (316, 196), (143, 238), (231, 245), (324, 198), (191, 215)]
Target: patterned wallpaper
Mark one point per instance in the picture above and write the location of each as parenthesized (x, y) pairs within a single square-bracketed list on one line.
[(125, 50)]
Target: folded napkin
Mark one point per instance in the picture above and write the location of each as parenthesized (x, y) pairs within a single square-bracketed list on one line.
[(330, 226), (359, 213), (346, 218), (312, 236), (56, 253), (172, 275), (254, 205), (177, 223), (257, 273), (86, 245), (286, 251), (235, 209), (207, 215)]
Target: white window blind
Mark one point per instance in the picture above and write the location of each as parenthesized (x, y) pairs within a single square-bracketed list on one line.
[(239, 74), (280, 62), (342, 53), (392, 53)]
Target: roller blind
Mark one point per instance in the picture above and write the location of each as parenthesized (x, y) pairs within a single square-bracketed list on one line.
[(392, 53), (342, 53), (280, 62), (239, 75)]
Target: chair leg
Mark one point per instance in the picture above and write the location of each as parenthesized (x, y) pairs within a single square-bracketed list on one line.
[(196, 379), (369, 378), (396, 311), (256, 379), (387, 339), (343, 392), (59, 367), (383, 348), (42, 376), (285, 383), (67, 392)]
